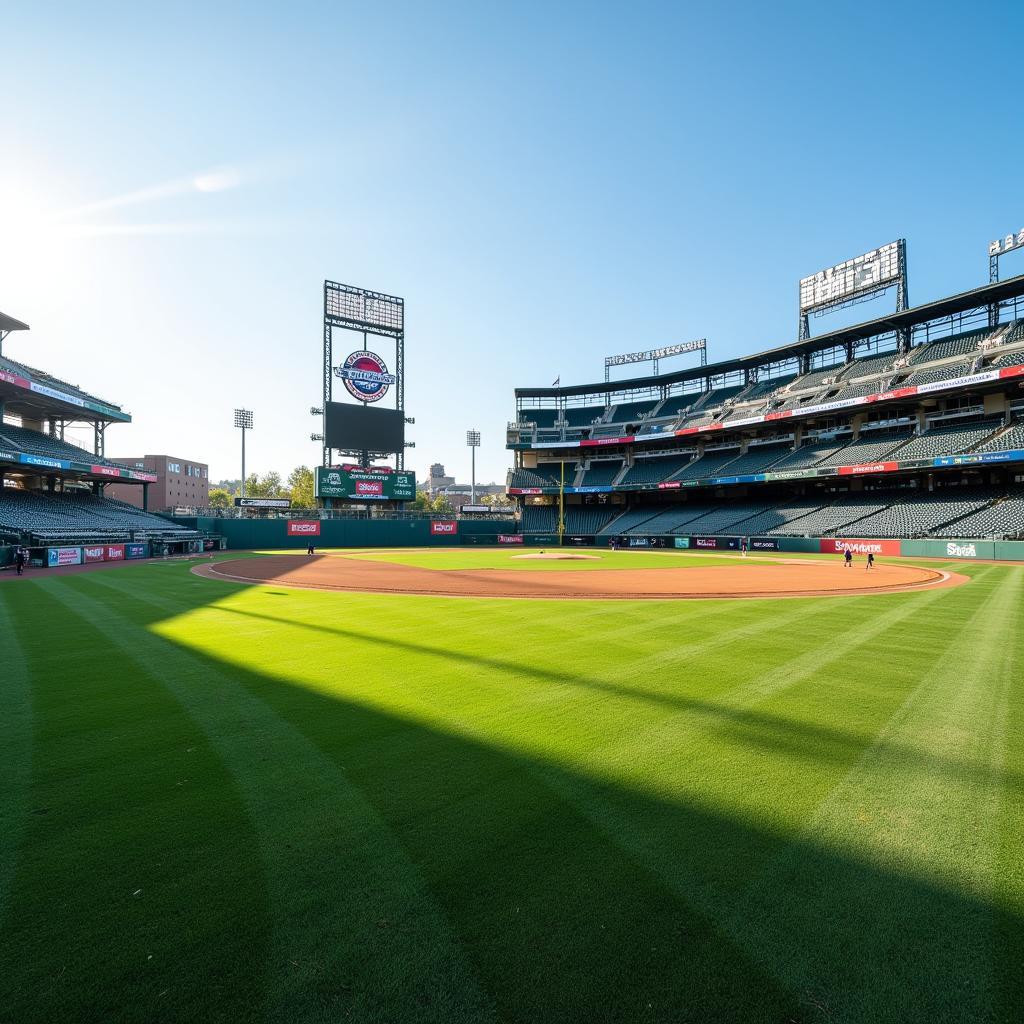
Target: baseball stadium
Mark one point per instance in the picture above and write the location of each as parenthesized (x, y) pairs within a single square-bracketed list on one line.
[(720, 721)]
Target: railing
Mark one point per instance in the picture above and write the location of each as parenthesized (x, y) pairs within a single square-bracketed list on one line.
[(330, 513)]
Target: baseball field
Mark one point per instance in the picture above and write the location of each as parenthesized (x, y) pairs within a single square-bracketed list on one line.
[(223, 801)]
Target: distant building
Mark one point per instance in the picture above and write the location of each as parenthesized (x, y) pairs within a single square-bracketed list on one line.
[(178, 482)]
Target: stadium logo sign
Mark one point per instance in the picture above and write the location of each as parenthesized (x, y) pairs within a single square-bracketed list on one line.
[(366, 376), (961, 550)]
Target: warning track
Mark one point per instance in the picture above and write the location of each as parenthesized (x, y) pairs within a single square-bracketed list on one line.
[(743, 580)]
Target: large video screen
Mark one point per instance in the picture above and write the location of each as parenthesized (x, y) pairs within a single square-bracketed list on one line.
[(361, 428), (375, 483)]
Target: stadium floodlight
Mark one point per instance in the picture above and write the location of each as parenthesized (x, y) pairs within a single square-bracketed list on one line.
[(473, 441), (243, 420)]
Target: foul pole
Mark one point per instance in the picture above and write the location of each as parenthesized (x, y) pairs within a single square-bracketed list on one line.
[(561, 508)]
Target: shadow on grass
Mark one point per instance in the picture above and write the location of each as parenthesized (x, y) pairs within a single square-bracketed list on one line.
[(540, 872)]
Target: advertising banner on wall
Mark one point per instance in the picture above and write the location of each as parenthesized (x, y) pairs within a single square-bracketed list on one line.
[(510, 538), (303, 528), (764, 544), (63, 556), (682, 542), (837, 545), (135, 551), (444, 527), (114, 552), (92, 553), (715, 543)]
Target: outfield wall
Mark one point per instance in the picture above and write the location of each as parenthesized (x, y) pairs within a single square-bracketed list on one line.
[(353, 533)]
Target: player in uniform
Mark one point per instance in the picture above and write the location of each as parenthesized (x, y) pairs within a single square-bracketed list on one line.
[(848, 556)]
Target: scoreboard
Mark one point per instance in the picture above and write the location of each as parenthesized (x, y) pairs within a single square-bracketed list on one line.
[(374, 483)]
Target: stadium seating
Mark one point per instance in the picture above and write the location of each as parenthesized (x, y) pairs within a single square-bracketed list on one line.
[(756, 459), (674, 405), (654, 470), (587, 519), (934, 374), (763, 388), (946, 348), (80, 516), (542, 417), (708, 465), (32, 442), (918, 514), (1010, 359), (632, 517), (951, 439), (841, 513), (870, 447), (669, 520), (809, 455), (817, 378), (584, 416), (728, 519), (776, 516), (545, 475), (867, 366), (602, 473), (629, 412), (1009, 439), (540, 519), (1003, 519)]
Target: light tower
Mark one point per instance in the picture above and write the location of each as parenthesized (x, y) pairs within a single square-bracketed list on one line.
[(473, 441), (243, 420)]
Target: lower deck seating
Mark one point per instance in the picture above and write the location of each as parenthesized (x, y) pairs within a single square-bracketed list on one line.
[(1009, 439), (540, 519), (946, 440), (918, 514), (587, 519), (72, 515), (1004, 519)]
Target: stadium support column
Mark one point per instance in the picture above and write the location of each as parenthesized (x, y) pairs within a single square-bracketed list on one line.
[(145, 497), (327, 383)]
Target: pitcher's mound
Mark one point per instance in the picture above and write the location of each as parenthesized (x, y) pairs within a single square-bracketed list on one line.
[(558, 556)]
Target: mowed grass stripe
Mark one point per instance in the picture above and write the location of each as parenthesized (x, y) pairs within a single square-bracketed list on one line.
[(15, 749), (922, 800), (355, 932), (136, 842)]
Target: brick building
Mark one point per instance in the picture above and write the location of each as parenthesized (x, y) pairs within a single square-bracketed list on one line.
[(178, 482)]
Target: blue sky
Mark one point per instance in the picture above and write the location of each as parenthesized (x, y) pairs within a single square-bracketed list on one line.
[(545, 184)]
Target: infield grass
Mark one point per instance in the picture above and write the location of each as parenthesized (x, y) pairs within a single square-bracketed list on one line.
[(229, 804)]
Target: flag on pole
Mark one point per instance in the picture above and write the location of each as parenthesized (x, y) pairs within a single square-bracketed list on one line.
[(558, 380)]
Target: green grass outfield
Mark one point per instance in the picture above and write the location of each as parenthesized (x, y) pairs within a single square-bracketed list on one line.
[(231, 804)]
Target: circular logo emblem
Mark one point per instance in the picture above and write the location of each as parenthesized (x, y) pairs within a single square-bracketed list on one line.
[(366, 376)]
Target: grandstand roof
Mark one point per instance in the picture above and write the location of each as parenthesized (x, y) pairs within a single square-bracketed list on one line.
[(26, 391), (8, 323), (962, 302)]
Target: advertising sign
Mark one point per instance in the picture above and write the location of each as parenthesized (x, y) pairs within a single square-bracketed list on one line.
[(682, 542), (764, 544), (443, 527), (715, 543), (639, 542), (63, 556), (837, 545), (113, 552), (263, 503), (371, 484), (850, 279), (959, 549), (135, 551), (105, 470), (303, 528), (92, 553), (510, 538)]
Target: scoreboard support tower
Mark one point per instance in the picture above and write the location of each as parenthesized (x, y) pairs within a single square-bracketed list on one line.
[(368, 313)]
